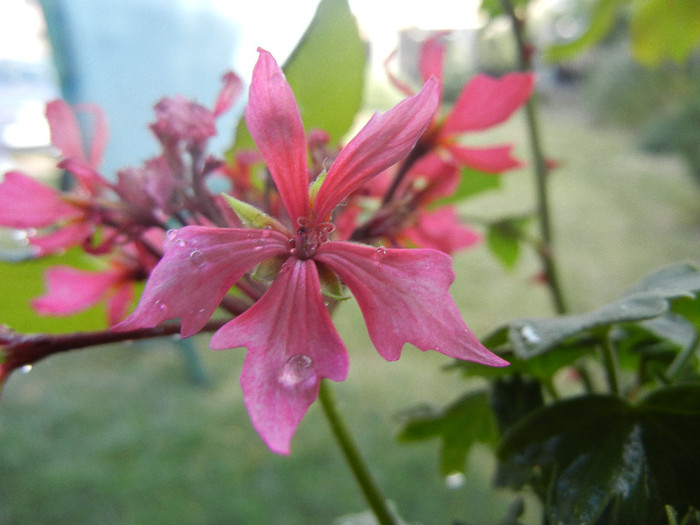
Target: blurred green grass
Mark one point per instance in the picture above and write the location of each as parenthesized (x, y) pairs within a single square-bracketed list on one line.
[(119, 435)]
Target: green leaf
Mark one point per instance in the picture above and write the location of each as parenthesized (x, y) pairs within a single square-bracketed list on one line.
[(503, 239), (665, 29), (647, 299), (24, 281), (604, 14), (459, 426), (605, 461), (471, 182), (326, 72), (252, 217)]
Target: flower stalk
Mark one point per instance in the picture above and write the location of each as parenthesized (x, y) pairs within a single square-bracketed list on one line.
[(540, 168), (357, 465)]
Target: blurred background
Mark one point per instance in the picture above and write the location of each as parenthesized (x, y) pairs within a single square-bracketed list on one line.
[(125, 435)]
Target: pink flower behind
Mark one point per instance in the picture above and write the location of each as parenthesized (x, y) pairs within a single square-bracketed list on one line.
[(292, 343)]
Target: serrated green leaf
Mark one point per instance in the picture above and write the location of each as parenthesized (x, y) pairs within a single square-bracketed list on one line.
[(252, 217), (663, 29), (459, 426), (647, 299), (606, 461), (604, 14), (326, 72)]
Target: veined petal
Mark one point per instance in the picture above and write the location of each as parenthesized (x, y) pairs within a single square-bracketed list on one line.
[(404, 297), (487, 101), (70, 290), (292, 344), (384, 140), (492, 160), (274, 123), (199, 266), (26, 203)]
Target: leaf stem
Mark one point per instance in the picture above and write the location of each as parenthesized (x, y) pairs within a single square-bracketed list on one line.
[(341, 432), (540, 168), (611, 365)]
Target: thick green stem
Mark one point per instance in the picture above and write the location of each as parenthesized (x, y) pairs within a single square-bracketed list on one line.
[(369, 488), (540, 168)]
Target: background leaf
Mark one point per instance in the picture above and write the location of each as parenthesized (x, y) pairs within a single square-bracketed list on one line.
[(459, 426), (326, 72)]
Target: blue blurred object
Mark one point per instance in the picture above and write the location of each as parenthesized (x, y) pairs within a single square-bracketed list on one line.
[(127, 55)]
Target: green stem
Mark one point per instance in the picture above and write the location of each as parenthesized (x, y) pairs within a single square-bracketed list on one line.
[(369, 488), (611, 366), (540, 167)]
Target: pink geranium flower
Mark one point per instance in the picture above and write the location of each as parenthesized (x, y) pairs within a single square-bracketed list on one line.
[(292, 343)]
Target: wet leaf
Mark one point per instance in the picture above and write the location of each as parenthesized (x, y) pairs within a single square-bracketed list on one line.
[(608, 462)]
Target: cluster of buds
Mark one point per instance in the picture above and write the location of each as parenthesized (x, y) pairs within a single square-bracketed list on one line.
[(298, 224)]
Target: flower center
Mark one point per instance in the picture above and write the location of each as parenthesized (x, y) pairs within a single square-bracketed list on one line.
[(308, 237)]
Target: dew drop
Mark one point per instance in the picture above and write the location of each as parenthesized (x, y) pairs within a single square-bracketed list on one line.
[(529, 335), (198, 258), (266, 231), (455, 480), (180, 243), (161, 306), (380, 252), (26, 369), (297, 370), (170, 235)]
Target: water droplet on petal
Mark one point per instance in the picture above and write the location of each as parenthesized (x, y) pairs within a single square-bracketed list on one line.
[(180, 243), (161, 306), (266, 231), (198, 258), (529, 335), (455, 480), (170, 235), (26, 369), (380, 252), (297, 370)]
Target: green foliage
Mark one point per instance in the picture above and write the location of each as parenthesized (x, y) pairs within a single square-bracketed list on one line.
[(504, 237), (326, 72), (614, 462), (659, 30), (459, 426), (471, 182), (24, 281)]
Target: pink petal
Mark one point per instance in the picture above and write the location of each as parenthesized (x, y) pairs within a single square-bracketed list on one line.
[(432, 56), (384, 140), (118, 304), (491, 160), (86, 175), (442, 231), (486, 101), (292, 344), (198, 268), (230, 91), (26, 203), (404, 297), (442, 177), (99, 134), (65, 130), (62, 238), (70, 290), (274, 123), (395, 81)]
